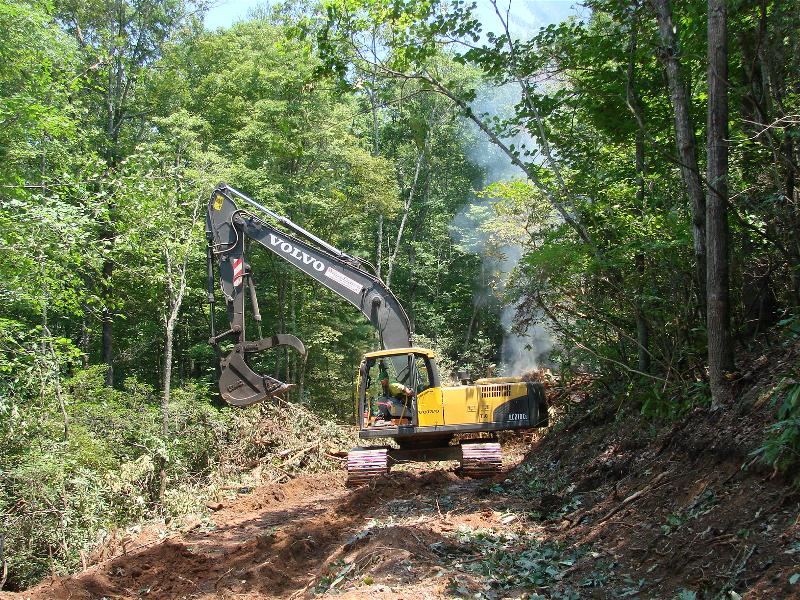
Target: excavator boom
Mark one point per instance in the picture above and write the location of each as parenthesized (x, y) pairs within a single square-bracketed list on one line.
[(227, 228)]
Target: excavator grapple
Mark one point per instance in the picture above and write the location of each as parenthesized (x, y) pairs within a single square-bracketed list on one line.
[(241, 386)]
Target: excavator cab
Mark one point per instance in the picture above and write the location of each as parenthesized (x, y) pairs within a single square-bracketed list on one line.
[(391, 384), (396, 378)]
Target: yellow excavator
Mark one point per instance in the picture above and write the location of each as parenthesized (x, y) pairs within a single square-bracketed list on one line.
[(399, 391)]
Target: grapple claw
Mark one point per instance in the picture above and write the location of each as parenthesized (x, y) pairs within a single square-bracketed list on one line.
[(239, 385)]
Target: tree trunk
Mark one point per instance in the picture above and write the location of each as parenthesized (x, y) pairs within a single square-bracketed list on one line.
[(176, 288), (406, 210), (379, 246), (107, 232), (290, 355), (108, 319), (685, 140), (281, 319), (165, 397), (642, 326), (373, 100), (793, 212), (477, 304), (720, 351), (473, 321)]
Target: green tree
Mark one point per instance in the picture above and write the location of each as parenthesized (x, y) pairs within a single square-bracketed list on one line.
[(118, 41)]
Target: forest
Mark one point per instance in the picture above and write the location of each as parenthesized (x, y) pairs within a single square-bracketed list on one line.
[(612, 196)]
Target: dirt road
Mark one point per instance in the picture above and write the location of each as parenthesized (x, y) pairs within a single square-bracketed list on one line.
[(387, 540)]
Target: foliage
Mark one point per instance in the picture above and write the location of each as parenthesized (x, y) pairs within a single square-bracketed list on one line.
[(781, 447), (357, 121), (504, 562), (60, 497), (608, 248)]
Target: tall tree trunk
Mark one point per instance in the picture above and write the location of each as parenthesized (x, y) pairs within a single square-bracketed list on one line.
[(301, 380), (281, 318), (406, 210), (290, 358), (793, 209), (379, 246), (720, 351), (642, 326), (373, 100), (685, 140), (107, 321), (473, 321), (477, 304), (176, 289), (107, 228)]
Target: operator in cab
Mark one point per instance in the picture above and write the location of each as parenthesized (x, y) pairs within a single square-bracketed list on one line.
[(395, 402)]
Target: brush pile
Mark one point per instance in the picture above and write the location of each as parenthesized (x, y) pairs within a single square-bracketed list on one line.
[(277, 441)]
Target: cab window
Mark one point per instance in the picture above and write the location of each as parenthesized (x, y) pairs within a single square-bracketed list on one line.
[(422, 373), (377, 370)]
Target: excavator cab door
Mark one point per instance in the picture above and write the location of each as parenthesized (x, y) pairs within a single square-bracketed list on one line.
[(414, 385), (429, 404)]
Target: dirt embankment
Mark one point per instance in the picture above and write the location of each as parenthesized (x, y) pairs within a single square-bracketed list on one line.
[(609, 507)]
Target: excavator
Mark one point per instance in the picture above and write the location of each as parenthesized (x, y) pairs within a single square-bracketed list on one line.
[(424, 418)]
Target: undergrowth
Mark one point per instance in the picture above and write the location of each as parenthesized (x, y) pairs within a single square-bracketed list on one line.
[(781, 447), (64, 497)]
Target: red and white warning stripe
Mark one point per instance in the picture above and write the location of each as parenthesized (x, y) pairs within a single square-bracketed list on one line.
[(238, 271)]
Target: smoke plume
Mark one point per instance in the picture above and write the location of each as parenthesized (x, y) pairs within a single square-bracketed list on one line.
[(499, 244)]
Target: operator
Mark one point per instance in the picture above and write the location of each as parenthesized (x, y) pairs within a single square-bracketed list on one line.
[(396, 390), (394, 403), (395, 399)]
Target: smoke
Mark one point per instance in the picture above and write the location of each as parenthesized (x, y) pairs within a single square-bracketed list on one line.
[(496, 239)]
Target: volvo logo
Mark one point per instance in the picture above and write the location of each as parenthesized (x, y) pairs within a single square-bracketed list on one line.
[(296, 253)]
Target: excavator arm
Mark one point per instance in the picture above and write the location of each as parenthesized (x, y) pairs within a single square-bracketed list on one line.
[(228, 227)]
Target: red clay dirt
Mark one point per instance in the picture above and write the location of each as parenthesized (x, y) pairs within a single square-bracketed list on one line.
[(607, 507)]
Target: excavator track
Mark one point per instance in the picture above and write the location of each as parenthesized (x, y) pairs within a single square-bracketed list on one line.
[(366, 464), (481, 459)]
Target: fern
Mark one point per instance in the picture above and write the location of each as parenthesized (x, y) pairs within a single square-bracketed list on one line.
[(781, 447)]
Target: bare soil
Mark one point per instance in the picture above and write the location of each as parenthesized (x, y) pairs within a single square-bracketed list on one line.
[(610, 506)]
